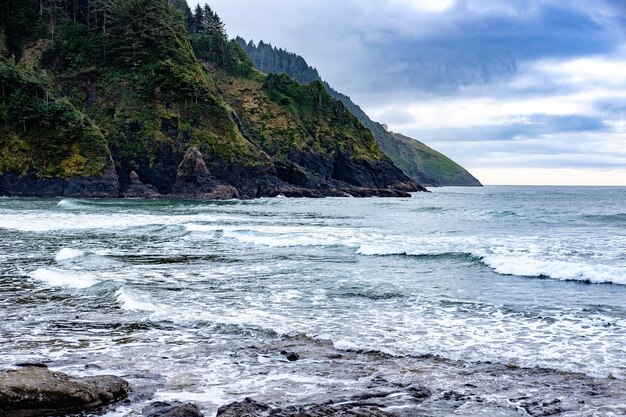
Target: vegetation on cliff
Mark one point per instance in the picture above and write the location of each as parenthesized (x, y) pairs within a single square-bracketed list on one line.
[(140, 82), (420, 162)]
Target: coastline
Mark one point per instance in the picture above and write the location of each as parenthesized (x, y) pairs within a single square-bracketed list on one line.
[(382, 385)]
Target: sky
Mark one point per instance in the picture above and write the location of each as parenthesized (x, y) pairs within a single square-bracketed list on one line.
[(518, 91)]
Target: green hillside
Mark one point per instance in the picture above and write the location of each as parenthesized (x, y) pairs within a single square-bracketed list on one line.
[(417, 160), (103, 89)]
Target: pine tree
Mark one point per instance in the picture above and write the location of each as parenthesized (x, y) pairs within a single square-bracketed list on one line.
[(198, 18)]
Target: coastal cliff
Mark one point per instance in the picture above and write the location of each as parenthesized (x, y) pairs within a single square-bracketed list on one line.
[(136, 98)]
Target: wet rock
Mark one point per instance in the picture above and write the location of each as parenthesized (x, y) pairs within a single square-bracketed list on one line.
[(176, 409), (194, 180), (30, 185), (245, 408), (251, 408), (99, 186), (28, 364), (419, 393), (543, 409), (381, 174), (455, 396), (291, 356), (36, 391), (137, 189), (14, 184)]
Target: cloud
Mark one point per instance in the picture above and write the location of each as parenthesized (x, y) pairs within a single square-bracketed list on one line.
[(428, 6), (534, 126), (514, 83)]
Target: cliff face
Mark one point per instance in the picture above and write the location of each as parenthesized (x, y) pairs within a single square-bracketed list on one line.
[(131, 101), (420, 162)]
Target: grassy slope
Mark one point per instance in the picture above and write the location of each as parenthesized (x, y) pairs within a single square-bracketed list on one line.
[(419, 161), (284, 116)]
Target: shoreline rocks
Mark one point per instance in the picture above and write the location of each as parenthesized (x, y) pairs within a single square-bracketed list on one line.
[(175, 409), (137, 189), (251, 408), (34, 391), (193, 175)]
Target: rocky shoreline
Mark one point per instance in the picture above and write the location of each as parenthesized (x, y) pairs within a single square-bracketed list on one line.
[(426, 386), (194, 180), (32, 390)]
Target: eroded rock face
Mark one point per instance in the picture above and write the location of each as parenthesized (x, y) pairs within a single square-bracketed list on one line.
[(251, 408), (102, 186), (194, 180), (34, 391), (318, 177), (30, 185), (137, 189)]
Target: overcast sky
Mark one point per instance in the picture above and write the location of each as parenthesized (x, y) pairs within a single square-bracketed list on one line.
[(518, 91)]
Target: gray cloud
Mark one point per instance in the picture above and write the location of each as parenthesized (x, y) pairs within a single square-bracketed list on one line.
[(391, 57), (534, 126)]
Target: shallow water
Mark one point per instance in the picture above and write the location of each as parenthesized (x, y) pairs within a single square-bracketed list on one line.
[(455, 289)]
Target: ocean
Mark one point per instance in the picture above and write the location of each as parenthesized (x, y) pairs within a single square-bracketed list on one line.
[(500, 301)]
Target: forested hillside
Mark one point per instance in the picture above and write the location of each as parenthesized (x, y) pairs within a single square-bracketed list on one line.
[(420, 162), (100, 97)]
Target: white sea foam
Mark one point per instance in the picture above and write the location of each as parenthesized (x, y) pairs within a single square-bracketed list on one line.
[(69, 204), (280, 236), (68, 253), (562, 270), (58, 278), (35, 222), (131, 302), (508, 260)]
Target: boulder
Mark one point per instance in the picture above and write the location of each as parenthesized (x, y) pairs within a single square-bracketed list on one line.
[(34, 391), (291, 356), (137, 189), (175, 409)]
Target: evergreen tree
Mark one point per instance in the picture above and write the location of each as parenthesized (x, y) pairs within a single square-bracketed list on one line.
[(269, 59), (183, 7), (198, 18)]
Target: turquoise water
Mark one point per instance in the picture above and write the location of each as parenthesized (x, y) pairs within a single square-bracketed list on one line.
[(194, 300)]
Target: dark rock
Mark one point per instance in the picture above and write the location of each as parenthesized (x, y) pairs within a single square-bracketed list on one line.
[(245, 408), (543, 409), (102, 186), (176, 409), (194, 180), (170, 126), (380, 174), (291, 356), (419, 393), (13, 184), (137, 189), (193, 175), (455, 396), (298, 175), (251, 408), (34, 365), (36, 391)]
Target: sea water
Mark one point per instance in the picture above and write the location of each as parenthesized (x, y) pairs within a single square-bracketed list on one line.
[(456, 290)]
